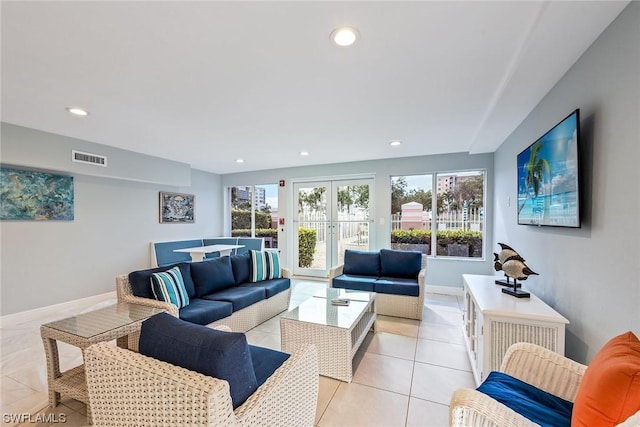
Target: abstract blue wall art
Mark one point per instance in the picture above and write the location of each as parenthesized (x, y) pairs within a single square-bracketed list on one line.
[(39, 196)]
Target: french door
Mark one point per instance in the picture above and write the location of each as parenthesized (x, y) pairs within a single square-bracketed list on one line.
[(331, 216)]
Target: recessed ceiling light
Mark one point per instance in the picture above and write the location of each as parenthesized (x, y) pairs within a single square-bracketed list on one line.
[(239, 160), (304, 153), (395, 143), (77, 111), (345, 36)]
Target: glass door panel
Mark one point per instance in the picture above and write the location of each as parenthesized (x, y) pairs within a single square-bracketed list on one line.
[(352, 217), (332, 216), (311, 226)]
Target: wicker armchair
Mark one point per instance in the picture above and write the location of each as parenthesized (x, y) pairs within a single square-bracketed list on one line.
[(532, 364), (129, 389)]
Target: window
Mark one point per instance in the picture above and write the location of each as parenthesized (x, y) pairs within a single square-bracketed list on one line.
[(411, 218), (460, 220), (254, 212), (456, 230)]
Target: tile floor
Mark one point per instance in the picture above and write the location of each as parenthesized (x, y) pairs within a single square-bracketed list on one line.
[(404, 374)]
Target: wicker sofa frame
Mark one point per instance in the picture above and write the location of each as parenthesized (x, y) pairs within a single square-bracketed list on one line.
[(532, 364), (395, 305), (129, 389), (239, 321)]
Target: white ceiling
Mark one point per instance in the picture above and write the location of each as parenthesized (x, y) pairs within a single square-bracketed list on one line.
[(208, 82)]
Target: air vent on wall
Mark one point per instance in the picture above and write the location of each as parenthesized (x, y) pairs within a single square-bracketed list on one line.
[(88, 158)]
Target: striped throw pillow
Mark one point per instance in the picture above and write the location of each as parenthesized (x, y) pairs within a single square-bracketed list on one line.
[(169, 286), (264, 265)]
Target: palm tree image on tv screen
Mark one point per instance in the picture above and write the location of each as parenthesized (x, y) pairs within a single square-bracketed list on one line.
[(548, 177)]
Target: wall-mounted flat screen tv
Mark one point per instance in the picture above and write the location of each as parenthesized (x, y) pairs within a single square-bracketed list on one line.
[(549, 177)]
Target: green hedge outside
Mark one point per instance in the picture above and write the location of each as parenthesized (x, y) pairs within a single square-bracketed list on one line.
[(260, 232), (443, 237), (241, 219), (306, 246)]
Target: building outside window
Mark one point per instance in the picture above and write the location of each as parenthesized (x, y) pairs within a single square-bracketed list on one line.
[(457, 227)]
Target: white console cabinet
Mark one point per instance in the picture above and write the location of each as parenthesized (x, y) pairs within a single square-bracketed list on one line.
[(494, 320)]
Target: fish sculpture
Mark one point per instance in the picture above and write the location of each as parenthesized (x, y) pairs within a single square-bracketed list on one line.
[(506, 253), (514, 267)]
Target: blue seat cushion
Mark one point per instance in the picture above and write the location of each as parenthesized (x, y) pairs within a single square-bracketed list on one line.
[(223, 355), (532, 403), (394, 263), (203, 312), (397, 286), (140, 280), (250, 244), (212, 275), (361, 263), (265, 362), (165, 254), (271, 287), (241, 266), (349, 281), (239, 296)]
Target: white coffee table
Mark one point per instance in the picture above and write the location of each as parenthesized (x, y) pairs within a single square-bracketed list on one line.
[(337, 331)]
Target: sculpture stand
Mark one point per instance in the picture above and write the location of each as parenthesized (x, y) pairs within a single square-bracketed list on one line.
[(507, 282), (518, 293)]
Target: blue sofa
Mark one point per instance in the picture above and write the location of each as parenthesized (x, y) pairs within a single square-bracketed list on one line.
[(396, 276), (220, 292)]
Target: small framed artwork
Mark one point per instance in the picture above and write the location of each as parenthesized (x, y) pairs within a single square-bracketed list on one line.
[(177, 208)]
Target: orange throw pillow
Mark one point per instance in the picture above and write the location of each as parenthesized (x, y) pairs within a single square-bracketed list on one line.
[(610, 389)]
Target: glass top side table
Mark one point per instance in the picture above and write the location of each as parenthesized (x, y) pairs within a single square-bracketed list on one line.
[(121, 322)]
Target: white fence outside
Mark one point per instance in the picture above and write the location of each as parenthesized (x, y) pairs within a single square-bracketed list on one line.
[(450, 220), (353, 227)]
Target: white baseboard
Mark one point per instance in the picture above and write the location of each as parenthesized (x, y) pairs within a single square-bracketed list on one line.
[(37, 313), (446, 290)]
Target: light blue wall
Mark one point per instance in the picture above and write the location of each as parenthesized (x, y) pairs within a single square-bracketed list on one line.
[(590, 275), (50, 262), (23, 146), (440, 270)]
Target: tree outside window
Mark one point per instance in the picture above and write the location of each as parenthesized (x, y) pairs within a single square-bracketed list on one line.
[(456, 228)]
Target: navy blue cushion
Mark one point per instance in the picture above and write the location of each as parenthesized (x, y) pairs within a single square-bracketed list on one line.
[(361, 263), (203, 312), (271, 287), (532, 403), (360, 283), (212, 275), (397, 286), (223, 355), (140, 280), (239, 296), (265, 362), (241, 266), (395, 263)]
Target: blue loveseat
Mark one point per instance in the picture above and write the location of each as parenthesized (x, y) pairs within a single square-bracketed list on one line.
[(396, 276), (220, 292)]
